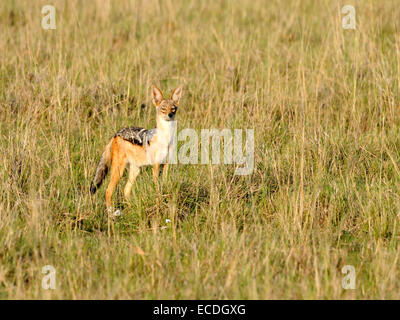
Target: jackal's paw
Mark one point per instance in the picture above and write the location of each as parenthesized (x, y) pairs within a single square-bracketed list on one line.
[(117, 213), (113, 213)]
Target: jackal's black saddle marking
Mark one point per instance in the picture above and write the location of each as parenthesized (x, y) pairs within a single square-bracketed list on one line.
[(135, 135)]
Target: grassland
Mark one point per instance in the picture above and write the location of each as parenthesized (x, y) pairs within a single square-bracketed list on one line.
[(324, 104)]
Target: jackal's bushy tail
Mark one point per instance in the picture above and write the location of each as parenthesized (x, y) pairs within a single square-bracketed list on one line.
[(102, 169)]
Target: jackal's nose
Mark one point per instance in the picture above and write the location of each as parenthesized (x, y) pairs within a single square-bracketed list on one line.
[(171, 115)]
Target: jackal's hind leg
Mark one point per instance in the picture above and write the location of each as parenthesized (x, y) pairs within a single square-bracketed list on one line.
[(156, 172), (133, 173), (117, 170), (165, 172)]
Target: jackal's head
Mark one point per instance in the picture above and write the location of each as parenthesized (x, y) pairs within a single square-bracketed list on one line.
[(166, 108)]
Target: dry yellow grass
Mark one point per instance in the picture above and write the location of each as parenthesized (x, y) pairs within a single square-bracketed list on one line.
[(323, 102)]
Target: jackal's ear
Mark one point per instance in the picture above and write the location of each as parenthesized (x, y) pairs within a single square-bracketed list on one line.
[(157, 96), (176, 95)]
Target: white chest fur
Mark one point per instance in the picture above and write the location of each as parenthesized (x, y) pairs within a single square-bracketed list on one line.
[(165, 132), (157, 152)]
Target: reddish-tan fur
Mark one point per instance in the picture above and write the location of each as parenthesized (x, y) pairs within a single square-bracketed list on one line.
[(121, 153)]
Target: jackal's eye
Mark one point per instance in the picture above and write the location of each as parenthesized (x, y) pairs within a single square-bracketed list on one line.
[(163, 109)]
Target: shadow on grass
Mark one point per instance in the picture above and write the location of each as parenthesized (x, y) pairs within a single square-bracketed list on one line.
[(186, 197), (190, 197)]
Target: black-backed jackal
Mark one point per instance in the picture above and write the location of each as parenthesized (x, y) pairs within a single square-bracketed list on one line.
[(139, 147)]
